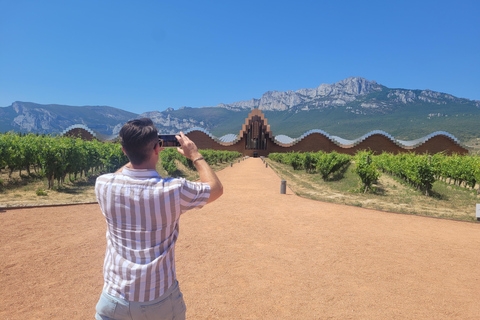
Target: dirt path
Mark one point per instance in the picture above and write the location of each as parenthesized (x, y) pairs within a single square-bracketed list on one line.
[(255, 254)]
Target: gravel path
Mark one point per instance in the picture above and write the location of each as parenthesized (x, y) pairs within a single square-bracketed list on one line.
[(255, 254)]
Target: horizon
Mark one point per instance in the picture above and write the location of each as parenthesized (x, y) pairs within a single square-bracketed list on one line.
[(56, 104), (157, 55)]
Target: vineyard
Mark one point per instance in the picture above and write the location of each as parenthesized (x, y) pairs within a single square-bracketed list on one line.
[(170, 156), (418, 171), (66, 165), (57, 158), (394, 183)]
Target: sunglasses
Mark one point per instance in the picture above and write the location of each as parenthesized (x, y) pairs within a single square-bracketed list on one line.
[(160, 143)]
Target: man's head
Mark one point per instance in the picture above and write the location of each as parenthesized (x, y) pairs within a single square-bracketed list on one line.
[(138, 138)]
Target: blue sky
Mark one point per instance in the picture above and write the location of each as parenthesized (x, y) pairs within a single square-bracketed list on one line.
[(148, 55)]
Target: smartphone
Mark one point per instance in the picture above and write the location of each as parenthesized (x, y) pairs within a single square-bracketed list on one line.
[(169, 140)]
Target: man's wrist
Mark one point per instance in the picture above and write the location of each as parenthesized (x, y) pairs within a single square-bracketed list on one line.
[(197, 159), (195, 156)]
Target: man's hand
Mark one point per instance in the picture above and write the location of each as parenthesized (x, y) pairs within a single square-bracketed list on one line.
[(187, 147), (207, 175)]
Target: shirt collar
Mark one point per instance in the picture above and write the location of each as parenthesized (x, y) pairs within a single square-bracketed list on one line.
[(140, 173)]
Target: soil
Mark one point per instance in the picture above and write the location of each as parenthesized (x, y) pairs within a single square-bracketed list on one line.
[(255, 254), (446, 201), (23, 190)]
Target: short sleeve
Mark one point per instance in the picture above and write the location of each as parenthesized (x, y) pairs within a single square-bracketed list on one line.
[(193, 195)]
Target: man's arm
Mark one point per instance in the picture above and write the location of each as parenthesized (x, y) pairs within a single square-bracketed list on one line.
[(207, 175)]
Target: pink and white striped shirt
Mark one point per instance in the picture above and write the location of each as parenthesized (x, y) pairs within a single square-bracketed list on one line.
[(142, 211)]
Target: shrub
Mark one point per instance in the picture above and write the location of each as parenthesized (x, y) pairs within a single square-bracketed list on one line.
[(366, 169), (309, 162), (41, 192), (296, 160), (328, 163)]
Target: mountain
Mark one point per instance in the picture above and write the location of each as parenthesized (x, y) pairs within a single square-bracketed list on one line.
[(324, 96), (355, 94), (349, 109), (53, 118)]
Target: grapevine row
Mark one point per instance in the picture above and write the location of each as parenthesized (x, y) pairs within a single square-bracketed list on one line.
[(55, 157), (417, 170), (321, 162), (420, 171), (366, 169), (212, 157), (458, 169)]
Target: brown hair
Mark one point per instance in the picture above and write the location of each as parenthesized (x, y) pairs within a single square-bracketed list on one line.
[(136, 137)]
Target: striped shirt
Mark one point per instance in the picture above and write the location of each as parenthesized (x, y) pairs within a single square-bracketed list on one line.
[(142, 211)]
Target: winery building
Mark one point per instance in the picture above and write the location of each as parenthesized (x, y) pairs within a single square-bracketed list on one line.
[(256, 139)]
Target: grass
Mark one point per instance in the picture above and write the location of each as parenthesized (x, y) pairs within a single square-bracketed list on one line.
[(28, 190), (391, 194), (25, 190)]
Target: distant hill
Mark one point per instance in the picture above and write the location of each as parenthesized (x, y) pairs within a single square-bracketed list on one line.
[(53, 118), (349, 109)]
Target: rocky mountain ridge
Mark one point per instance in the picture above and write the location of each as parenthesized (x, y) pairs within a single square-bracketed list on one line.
[(171, 124), (351, 102), (325, 95), (372, 96), (44, 119)]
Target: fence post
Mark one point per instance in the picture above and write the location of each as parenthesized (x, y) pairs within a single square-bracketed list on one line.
[(283, 187)]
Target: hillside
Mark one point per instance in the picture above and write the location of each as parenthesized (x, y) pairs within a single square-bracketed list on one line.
[(53, 118), (349, 108)]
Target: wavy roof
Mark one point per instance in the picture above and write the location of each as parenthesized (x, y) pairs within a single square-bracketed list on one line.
[(283, 139), (286, 141), (80, 126), (228, 138), (345, 143), (420, 141), (95, 134)]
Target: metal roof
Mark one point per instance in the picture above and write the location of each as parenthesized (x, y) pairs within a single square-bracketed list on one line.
[(284, 140)]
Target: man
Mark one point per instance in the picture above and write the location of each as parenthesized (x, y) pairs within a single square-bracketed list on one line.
[(142, 211)]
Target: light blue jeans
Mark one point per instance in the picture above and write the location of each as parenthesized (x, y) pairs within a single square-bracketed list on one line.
[(170, 306)]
